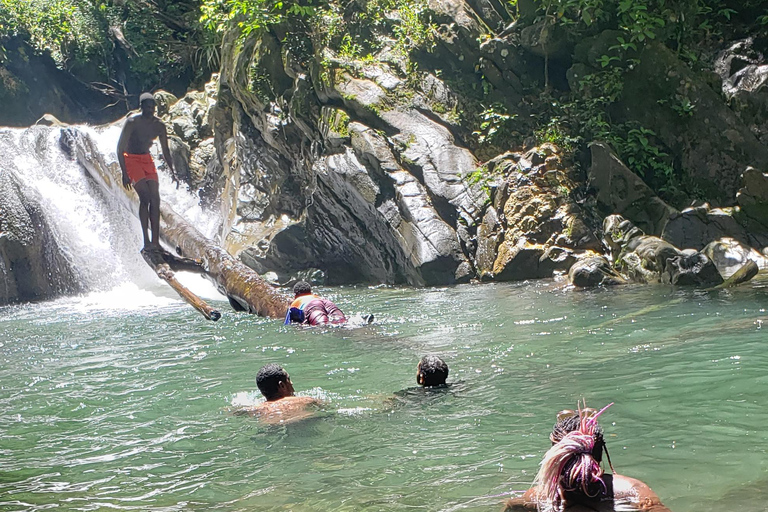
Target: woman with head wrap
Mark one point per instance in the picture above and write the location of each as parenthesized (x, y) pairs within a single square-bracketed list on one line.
[(571, 478)]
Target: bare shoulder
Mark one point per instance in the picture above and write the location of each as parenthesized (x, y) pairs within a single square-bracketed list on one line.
[(637, 491), (286, 410), (522, 503)]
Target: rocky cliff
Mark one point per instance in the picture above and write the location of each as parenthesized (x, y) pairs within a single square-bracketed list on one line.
[(420, 143)]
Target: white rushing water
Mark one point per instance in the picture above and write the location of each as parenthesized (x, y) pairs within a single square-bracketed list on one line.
[(99, 237)]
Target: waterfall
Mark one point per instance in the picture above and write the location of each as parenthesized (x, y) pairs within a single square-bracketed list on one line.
[(97, 237)]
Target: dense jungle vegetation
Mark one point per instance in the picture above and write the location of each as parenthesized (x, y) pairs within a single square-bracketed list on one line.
[(122, 47)]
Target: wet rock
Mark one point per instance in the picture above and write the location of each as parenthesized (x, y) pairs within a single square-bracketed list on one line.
[(691, 270), (730, 255), (594, 270), (617, 232), (32, 265)]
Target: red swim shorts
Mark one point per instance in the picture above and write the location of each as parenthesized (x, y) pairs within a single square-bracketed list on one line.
[(140, 167)]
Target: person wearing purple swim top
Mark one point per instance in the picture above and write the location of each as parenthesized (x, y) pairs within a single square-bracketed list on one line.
[(310, 309), (571, 479)]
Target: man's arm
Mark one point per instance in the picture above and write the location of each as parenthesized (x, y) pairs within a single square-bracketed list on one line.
[(522, 503), (122, 144), (163, 135)]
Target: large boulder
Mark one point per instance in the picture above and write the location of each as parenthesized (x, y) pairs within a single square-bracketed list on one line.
[(697, 226), (542, 227), (594, 270), (691, 270), (621, 191), (730, 255)]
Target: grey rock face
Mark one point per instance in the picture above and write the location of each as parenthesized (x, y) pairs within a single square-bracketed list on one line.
[(32, 265), (753, 196), (714, 144), (621, 191)]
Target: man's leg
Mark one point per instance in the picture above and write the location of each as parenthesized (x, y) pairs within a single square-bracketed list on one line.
[(143, 191), (154, 211)]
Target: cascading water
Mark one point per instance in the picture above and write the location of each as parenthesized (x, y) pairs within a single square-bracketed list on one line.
[(98, 239)]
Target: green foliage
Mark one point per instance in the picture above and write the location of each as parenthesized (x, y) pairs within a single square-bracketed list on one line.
[(558, 134), (249, 15), (415, 29), (159, 39), (496, 126)]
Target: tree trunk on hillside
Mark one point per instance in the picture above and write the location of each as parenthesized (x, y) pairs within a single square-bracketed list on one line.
[(243, 287)]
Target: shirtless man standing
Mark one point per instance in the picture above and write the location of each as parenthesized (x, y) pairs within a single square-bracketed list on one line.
[(139, 171)]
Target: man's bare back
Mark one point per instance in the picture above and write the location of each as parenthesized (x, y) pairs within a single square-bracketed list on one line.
[(286, 410)]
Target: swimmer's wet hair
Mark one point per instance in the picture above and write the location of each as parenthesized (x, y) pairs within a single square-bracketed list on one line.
[(573, 462), (434, 370), (302, 288), (268, 378)]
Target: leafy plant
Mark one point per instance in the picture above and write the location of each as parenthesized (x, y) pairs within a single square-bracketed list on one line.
[(496, 124)]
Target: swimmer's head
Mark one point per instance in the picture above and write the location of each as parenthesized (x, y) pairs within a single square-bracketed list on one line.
[(431, 371), (302, 288), (571, 423), (274, 382), (147, 103), (572, 464)]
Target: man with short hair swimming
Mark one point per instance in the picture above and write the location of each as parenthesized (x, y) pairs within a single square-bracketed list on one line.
[(138, 169), (571, 478), (282, 405), (431, 371), (308, 308)]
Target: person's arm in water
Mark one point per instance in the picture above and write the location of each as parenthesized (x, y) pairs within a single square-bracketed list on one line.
[(522, 503), (122, 145), (163, 136)]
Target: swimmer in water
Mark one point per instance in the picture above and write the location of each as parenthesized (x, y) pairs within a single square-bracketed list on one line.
[(571, 478), (431, 371), (310, 309), (281, 405)]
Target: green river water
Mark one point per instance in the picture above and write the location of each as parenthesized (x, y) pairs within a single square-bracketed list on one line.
[(120, 400)]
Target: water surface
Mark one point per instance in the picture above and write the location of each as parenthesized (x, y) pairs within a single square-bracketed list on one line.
[(119, 400)]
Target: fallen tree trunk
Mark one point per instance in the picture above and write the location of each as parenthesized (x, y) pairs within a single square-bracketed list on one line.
[(162, 262), (243, 287)]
